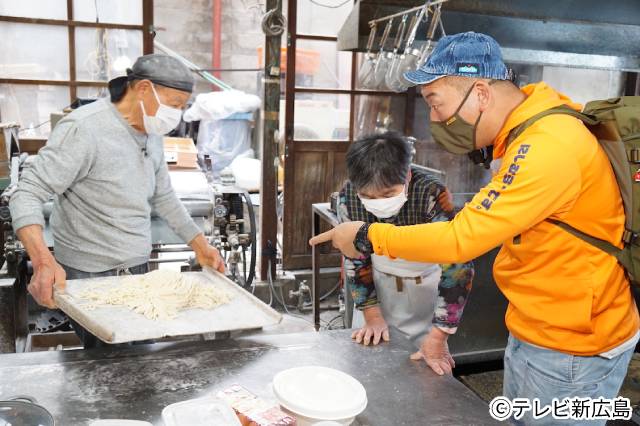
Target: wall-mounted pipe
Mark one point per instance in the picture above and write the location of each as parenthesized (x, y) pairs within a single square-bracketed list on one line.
[(193, 67), (216, 41)]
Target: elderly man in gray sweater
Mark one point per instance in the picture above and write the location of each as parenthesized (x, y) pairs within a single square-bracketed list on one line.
[(105, 165)]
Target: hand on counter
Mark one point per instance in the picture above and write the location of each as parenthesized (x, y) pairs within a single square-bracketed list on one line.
[(46, 274), (342, 238), (435, 351), (375, 328), (206, 254)]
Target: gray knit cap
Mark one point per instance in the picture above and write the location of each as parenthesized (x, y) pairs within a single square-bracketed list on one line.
[(159, 69), (163, 70)]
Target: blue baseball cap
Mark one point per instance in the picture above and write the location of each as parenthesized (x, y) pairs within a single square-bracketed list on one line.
[(466, 55)]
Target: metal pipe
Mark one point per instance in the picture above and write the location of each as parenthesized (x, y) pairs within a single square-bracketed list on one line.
[(217, 36), (406, 12), (172, 249), (168, 260), (207, 76), (218, 70)]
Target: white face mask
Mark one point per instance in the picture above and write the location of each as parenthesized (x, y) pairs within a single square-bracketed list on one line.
[(165, 120), (384, 208)]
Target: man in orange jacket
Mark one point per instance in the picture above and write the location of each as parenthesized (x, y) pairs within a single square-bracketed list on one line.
[(572, 319)]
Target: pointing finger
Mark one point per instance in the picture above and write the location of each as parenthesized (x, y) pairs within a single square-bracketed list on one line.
[(321, 238)]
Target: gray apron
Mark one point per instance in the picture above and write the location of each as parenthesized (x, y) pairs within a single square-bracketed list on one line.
[(407, 292)]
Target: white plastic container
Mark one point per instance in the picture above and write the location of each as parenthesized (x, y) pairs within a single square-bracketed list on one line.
[(119, 422), (200, 412), (319, 394)]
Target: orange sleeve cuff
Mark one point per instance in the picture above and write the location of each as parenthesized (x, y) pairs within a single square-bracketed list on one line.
[(378, 237)]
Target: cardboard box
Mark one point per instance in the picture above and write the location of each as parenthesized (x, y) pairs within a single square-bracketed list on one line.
[(181, 152)]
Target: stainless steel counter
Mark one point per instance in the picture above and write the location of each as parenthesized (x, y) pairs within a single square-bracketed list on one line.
[(139, 381)]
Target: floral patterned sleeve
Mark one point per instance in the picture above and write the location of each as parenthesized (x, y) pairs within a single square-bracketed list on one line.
[(453, 289), (358, 273)]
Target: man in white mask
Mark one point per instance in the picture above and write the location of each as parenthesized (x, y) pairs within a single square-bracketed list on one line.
[(105, 165), (423, 301)]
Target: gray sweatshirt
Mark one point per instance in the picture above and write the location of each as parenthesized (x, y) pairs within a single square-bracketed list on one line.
[(106, 178)]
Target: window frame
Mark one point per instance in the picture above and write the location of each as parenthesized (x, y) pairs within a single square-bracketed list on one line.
[(73, 83), (292, 89), (333, 150)]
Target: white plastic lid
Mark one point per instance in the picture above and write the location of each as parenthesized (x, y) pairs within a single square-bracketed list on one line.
[(200, 412), (320, 393)]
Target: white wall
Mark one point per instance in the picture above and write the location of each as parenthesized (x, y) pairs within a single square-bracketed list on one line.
[(583, 85)]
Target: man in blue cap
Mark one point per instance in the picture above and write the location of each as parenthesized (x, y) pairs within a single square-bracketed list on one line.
[(572, 319)]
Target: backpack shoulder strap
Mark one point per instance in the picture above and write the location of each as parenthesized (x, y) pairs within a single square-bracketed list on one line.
[(603, 245), (587, 119)]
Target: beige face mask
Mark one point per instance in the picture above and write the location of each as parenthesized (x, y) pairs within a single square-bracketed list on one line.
[(454, 134)]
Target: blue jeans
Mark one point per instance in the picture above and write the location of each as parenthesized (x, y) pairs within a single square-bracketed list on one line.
[(88, 339), (531, 372)]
